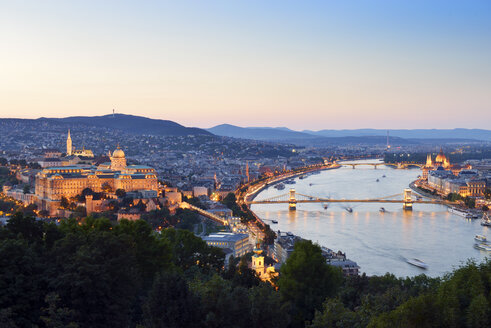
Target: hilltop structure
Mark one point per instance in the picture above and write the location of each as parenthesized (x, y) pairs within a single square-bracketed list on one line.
[(53, 183)]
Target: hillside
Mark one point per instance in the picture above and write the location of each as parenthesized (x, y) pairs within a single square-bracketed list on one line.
[(270, 134), (358, 136), (131, 124)]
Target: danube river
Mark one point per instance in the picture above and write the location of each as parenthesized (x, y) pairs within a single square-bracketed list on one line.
[(378, 242)]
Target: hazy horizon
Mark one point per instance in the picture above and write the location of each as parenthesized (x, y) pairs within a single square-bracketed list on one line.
[(304, 65), (261, 126)]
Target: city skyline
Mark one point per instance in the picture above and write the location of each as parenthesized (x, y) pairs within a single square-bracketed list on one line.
[(316, 65)]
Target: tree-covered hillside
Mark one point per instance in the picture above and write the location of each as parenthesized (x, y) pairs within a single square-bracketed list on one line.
[(93, 273)]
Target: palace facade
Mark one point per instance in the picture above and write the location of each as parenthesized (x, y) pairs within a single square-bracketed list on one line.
[(53, 183)]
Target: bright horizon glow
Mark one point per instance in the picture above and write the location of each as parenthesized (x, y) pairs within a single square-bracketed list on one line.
[(300, 64)]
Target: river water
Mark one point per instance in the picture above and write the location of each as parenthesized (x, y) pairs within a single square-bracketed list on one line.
[(378, 242)]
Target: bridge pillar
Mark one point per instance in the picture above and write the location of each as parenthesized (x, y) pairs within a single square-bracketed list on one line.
[(292, 203), (408, 201)]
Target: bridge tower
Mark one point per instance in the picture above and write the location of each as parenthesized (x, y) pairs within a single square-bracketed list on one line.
[(292, 203), (408, 201)]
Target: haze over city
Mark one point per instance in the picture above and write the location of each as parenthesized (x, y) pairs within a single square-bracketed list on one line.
[(304, 65)]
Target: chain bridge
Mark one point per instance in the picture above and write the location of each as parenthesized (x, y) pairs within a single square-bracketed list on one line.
[(292, 199)]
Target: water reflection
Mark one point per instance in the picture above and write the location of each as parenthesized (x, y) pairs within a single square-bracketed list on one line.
[(378, 241)]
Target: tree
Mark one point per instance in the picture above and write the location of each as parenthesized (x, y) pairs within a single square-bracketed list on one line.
[(56, 317), (222, 304), (64, 202), (121, 193), (333, 315), (190, 251), (26, 227), (478, 313), (306, 280), (98, 280), (267, 310), (22, 283), (170, 303)]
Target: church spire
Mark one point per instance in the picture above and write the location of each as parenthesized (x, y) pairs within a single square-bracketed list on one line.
[(69, 147)]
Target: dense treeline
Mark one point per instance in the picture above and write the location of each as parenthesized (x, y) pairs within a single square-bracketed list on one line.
[(93, 273)]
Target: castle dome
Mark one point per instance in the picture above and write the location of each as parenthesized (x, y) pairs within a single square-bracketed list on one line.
[(118, 153)]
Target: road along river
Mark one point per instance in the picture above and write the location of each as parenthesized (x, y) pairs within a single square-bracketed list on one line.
[(378, 241)]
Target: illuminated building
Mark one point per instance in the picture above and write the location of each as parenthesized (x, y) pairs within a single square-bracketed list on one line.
[(53, 183), (237, 243), (264, 272), (440, 161), (70, 150)]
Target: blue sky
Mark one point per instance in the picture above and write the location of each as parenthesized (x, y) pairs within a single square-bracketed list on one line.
[(301, 64)]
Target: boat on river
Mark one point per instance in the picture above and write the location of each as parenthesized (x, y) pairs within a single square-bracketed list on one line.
[(280, 186), (382, 210), (274, 221), (483, 247), (480, 238), (418, 263), (460, 212), (486, 221), (291, 181), (377, 180), (349, 209)]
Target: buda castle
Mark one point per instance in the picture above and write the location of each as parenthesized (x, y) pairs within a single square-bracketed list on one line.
[(53, 183)]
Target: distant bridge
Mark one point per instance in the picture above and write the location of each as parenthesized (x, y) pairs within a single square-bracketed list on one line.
[(292, 199), (375, 165)]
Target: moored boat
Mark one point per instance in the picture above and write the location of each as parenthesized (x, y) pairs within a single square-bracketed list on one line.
[(460, 212), (418, 263), (485, 221)]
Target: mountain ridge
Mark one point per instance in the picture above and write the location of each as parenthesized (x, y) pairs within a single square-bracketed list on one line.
[(269, 133), (129, 123)]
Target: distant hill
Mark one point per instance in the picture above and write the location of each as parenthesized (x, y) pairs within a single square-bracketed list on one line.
[(131, 124), (476, 134), (356, 136), (270, 134)]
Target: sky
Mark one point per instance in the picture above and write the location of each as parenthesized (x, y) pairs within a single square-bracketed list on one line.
[(300, 64)]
